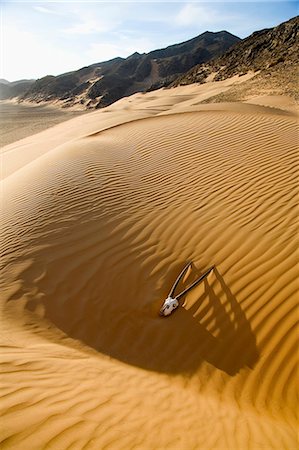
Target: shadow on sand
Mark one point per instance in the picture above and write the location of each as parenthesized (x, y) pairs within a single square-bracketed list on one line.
[(181, 342), (177, 344)]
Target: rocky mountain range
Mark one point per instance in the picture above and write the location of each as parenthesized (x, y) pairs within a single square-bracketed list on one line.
[(268, 53), (103, 83), (14, 89), (271, 54)]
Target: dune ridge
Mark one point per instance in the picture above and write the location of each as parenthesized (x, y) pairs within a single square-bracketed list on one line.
[(94, 232)]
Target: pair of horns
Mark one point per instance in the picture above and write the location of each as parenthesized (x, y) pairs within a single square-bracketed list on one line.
[(195, 283)]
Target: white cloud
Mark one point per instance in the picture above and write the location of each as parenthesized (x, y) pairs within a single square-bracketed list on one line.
[(201, 15), (87, 27), (44, 10), (90, 26), (192, 14), (101, 19)]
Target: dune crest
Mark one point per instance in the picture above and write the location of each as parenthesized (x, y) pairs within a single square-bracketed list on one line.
[(97, 224)]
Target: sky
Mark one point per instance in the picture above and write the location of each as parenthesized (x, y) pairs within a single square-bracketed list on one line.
[(40, 38)]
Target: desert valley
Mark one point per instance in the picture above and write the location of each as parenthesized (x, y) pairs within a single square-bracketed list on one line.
[(165, 159)]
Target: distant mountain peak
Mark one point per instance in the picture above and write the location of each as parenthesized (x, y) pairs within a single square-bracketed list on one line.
[(134, 55), (262, 50)]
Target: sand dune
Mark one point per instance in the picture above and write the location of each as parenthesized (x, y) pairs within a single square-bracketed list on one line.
[(99, 215)]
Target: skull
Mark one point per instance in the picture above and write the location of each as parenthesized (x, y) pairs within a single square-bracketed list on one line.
[(169, 305)]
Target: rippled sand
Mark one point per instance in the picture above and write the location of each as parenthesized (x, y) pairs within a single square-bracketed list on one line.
[(99, 215)]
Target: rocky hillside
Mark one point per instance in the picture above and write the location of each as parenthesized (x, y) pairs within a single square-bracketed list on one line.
[(269, 53), (103, 83), (14, 89)]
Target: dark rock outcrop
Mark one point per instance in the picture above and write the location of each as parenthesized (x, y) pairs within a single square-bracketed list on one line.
[(273, 49)]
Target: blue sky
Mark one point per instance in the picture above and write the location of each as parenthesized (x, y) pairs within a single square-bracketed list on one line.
[(52, 37)]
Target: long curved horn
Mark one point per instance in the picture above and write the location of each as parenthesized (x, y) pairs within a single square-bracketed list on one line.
[(194, 283), (179, 278)]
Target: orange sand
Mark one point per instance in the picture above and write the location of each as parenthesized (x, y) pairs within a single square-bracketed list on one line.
[(100, 213)]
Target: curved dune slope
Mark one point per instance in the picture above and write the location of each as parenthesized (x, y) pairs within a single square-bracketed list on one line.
[(94, 233)]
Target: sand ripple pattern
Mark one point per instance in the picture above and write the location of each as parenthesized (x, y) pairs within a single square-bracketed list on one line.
[(94, 233)]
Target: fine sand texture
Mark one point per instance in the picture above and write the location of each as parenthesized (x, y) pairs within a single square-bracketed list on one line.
[(99, 215), (20, 120)]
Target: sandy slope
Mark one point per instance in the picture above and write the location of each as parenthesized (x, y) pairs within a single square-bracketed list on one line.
[(99, 215)]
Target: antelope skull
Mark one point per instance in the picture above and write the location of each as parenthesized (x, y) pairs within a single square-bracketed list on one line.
[(169, 305), (172, 302)]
